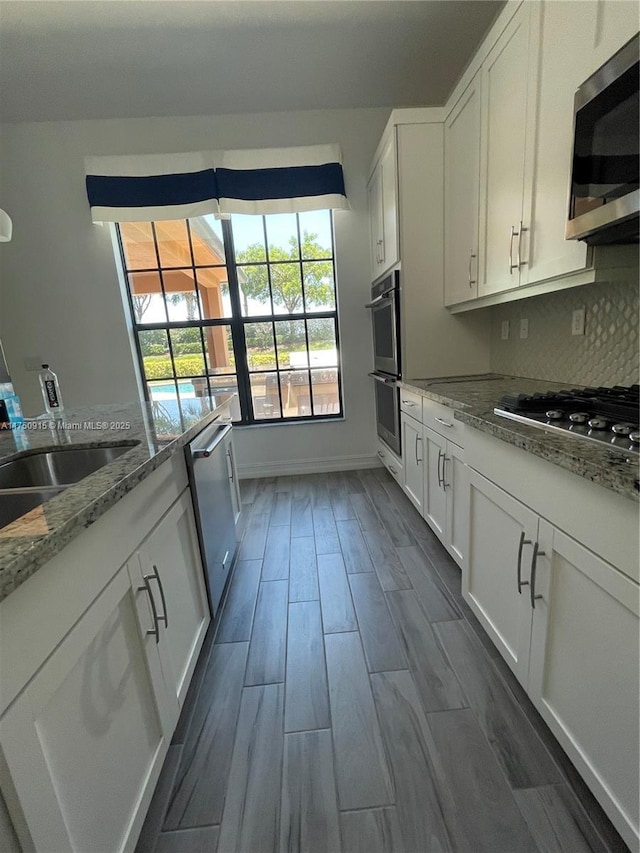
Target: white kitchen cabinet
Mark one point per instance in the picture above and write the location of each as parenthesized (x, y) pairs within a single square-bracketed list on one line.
[(85, 741), (412, 452), (509, 92), (583, 675), (170, 566), (435, 498), (461, 200), (383, 210), (456, 485)]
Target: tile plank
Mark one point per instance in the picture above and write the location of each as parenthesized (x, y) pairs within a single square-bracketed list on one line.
[(411, 758), (490, 820), (309, 816), (372, 831), (265, 664), (365, 513), (301, 518), (198, 794), (237, 613), (203, 839), (306, 694), (361, 768), (264, 497), (513, 739), (386, 562), (190, 700), (436, 601), (387, 510), (335, 597), (355, 553), (275, 565), (557, 822), (436, 681), (281, 511), (248, 490), (325, 531), (251, 818), (382, 647), (320, 496), (255, 537), (303, 572)]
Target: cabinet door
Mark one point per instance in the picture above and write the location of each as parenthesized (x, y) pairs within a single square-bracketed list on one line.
[(462, 186), (85, 741), (374, 193), (506, 85), (435, 495), (501, 533), (170, 560), (584, 669), (412, 452), (389, 205), (456, 484)]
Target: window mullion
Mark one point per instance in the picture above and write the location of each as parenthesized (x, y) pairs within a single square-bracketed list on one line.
[(237, 326)]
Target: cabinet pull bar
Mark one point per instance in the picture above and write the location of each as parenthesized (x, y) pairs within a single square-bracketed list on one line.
[(155, 574), (418, 439), (522, 542), (444, 423), (472, 281), (532, 589), (393, 470), (512, 266), (445, 459), (440, 479), (520, 262), (409, 403), (155, 631)]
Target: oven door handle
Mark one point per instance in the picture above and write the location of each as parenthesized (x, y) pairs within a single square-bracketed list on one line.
[(387, 380), (383, 296)]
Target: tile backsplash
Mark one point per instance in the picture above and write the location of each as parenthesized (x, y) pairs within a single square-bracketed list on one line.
[(607, 353)]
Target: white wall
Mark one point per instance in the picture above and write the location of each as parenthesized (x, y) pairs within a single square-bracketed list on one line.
[(60, 296)]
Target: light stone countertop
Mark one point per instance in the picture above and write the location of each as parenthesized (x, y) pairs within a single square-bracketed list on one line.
[(155, 433), (474, 399)]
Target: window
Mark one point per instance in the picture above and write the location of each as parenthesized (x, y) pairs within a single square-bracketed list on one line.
[(246, 304)]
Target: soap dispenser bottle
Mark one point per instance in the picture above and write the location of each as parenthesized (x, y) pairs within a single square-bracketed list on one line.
[(50, 391)]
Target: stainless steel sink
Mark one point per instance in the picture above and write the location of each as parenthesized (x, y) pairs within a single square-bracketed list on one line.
[(58, 467), (15, 504)]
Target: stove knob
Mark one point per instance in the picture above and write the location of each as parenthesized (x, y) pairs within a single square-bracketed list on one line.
[(579, 417), (554, 415), (598, 423), (634, 437), (622, 429)]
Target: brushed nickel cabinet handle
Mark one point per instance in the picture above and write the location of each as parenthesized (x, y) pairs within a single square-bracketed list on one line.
[(155, 631), (445, 459), (512, 266), (409, 403), (156, 575), (393, 470), (418, 439), (519, 261), (444, 423), (522, 542), (472, 281), (440, 478), (532, 588)]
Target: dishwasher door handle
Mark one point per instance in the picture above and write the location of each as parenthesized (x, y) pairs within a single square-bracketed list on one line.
[(205, 452)]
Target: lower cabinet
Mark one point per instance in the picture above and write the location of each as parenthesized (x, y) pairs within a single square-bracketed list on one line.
[(445, 492), (567, 624), (85, 741), (171, 573), (413, 460)]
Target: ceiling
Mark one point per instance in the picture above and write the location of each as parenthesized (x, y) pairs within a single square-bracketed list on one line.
[(85, 59)]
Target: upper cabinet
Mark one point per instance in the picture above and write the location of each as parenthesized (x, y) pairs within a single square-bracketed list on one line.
[(462, 186), (514, 119), (383, 210), (509, 86)]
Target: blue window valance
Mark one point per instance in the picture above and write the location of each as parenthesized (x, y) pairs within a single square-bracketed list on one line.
[(178, 186)]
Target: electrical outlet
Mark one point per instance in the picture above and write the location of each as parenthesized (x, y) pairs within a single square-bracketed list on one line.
[(577, 321), (33, 362), (504, 330), (524, 329)]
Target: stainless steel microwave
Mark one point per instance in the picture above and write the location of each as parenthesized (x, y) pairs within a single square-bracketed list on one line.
[(605, 192)]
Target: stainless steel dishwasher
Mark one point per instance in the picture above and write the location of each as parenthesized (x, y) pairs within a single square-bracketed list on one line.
[(210, 476)]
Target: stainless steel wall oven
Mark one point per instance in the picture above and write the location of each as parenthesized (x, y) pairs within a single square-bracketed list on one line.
[(385, 316)]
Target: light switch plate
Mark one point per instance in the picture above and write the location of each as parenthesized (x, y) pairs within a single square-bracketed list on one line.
[(504, 330), (524, 329), (577, 321), (33, 362)]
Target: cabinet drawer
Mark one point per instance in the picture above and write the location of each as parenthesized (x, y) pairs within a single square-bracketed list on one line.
[(391, 462), (440, 419), (411, 403)]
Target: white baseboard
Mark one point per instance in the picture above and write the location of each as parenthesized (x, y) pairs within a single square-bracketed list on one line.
[(307, 466)]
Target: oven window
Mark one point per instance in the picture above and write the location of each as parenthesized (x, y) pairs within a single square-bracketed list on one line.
[(386, 406), (383, 321), (605, 162)]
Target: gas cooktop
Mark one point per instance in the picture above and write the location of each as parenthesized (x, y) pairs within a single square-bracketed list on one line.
[(608, 416)]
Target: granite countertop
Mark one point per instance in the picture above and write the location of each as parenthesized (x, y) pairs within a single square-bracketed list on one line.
[(474, 399), (155, 432)]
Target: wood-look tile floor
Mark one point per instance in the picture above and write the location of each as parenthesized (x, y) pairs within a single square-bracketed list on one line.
[(349, 702)]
